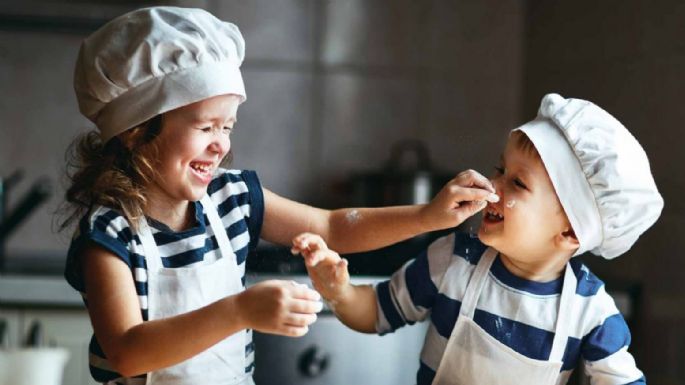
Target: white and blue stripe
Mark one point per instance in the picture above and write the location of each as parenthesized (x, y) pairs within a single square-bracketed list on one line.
[(240, 205), (519, 313)]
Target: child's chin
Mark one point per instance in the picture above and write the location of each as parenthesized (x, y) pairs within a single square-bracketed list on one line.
[(488, 239)]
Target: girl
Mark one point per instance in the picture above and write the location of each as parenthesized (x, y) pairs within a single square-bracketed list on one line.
[(164, 231)]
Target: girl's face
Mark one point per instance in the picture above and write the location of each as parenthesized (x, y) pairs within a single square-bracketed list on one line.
[(192, 143), (525, 223)]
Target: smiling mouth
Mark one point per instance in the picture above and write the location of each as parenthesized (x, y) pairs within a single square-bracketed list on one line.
[(492, 215), (203, 169)]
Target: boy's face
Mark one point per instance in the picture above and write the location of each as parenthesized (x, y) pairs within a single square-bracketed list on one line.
[(527, 221)]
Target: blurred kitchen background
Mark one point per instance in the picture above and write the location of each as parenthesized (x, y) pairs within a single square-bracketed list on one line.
[(340, 95)]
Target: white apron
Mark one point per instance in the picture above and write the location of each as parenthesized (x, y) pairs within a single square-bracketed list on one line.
[(472, 356), (172, 291)]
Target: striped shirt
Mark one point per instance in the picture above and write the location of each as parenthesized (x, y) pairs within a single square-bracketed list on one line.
[(240, 204), (519, 313)]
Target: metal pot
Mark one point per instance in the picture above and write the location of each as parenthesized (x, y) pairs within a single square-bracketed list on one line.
[(408, 177)]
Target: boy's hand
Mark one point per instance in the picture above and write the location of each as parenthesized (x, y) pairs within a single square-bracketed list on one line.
[(326, 269), (462, 197)]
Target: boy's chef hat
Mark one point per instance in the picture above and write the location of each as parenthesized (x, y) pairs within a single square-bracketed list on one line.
[(154, 60), (599, 171)]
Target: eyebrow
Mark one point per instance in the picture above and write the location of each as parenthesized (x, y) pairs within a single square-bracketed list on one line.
[(523, 169), (198, 119)]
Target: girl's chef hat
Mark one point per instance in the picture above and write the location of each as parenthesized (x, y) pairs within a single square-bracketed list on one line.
[(153, 60), (599, 171)]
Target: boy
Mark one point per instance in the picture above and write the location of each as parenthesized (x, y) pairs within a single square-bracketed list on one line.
[(512, 306)]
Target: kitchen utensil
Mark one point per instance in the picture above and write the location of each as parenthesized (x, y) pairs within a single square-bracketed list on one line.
[(32, 366)]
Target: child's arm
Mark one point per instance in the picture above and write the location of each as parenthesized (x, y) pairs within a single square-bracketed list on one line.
[(605, 352), (134, 347), (406, 298), (354, 305), (360, 229)]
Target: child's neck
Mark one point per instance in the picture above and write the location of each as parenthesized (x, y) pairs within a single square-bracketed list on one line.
[(177, 215), (545, 270)]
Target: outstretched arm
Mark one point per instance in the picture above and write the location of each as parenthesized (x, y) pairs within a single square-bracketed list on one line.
[(359, 229), (354, 305)]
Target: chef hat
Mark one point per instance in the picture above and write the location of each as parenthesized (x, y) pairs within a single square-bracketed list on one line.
[(599, 171), (154, 60)]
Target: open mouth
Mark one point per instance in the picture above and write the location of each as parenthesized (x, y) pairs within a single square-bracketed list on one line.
[(492, 215), (204, 170)]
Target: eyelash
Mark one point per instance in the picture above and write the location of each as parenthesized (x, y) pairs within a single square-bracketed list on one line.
[(225, 128), (517, 182)]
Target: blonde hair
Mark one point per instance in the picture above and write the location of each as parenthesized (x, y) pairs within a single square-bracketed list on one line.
[(523, 143), (112, 174)]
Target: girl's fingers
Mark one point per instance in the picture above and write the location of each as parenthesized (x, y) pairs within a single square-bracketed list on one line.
[(299, 320), (469, 194), (305, 307), (293, 331), (300, 291), (470, 178)]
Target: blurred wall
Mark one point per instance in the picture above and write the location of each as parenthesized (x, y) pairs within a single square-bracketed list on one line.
[(330, 86), (628, 57)]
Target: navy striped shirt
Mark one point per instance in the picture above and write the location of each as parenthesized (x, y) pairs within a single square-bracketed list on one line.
[(519, 313), (240, 205)]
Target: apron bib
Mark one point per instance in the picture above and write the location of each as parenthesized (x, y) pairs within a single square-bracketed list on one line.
[(173, 291), (472, 356)]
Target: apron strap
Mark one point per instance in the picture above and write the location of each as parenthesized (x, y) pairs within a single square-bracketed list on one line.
[(564, 315), (476, 283), (152, 257), (217, 227)]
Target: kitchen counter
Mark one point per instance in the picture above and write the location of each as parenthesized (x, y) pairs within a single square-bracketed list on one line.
[(54, 291), (36, 291)]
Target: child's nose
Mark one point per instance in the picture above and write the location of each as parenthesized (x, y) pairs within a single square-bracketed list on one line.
[(220, 145), (497, 184)]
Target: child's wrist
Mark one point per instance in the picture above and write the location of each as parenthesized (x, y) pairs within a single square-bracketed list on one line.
[(424, 219), (341, 295)]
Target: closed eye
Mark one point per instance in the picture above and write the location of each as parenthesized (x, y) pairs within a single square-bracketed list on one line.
[(499, 170), (520, 184)]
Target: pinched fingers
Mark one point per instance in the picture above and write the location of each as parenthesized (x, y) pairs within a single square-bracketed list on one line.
[(472, 194), (471, 178), (318, 256), (307, 243)]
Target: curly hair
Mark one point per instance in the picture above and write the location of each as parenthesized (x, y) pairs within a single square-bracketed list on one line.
[(112, 174)]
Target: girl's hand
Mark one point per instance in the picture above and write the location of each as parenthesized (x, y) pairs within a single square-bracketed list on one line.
[(279, 307), (326, 269), (462, 197)]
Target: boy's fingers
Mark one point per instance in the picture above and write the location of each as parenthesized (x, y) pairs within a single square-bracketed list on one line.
[(319, 255)]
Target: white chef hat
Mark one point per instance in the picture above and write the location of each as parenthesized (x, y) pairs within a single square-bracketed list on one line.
[(599, 171), (154, 60)]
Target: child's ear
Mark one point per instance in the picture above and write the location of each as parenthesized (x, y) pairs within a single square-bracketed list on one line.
[(567, 240)]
